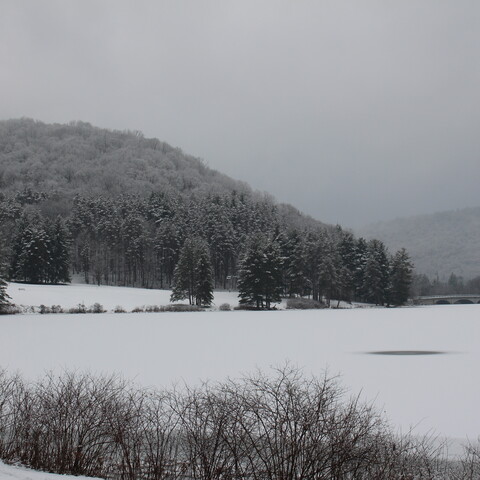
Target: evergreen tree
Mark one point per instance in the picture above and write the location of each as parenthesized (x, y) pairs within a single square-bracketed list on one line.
[(203, 277), (31, 251), (59, 264), (260, 279), (4, 297), (347, 252), (377, 274), (193, 277), (401, 277)]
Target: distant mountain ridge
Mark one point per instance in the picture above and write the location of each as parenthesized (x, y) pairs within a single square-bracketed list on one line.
[(440, 244)]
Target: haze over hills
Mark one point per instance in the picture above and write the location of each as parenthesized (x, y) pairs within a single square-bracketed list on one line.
[(440, 244)]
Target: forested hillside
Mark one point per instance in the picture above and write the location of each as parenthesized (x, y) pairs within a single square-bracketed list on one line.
[(117, 208), (439, 244)]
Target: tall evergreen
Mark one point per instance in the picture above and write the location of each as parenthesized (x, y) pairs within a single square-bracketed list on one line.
[(31, 251), (193, 278), (59, 263), (4, 297), (377, 273), (260, 276), (401, 276), (203, 277)]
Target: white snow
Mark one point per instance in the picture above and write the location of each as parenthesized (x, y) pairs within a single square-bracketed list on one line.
[(9, 472), (68, 296), (438, 393)]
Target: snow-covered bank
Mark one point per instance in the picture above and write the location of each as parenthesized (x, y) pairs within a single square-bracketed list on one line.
[(68, 296), (432, 392), (9, 472)]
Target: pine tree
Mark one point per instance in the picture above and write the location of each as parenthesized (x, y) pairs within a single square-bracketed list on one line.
[(31, 251), (401, 277), (203, 277), (260, 280), (59, 265), (4, 297), (193, 277), (377, 273)]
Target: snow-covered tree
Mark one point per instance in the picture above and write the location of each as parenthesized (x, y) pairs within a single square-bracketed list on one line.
[(193, 277), (400, 277), (4, 297), (260, 276), (377, 273), (59, 263)]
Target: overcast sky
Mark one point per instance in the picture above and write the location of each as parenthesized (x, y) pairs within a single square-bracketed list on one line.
[(353, 111)]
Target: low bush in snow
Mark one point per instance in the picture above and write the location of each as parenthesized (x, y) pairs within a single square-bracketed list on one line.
[(80, 308), (119, 309), (11, 309), (304, 304), (153, 308), (96, 308), (225, 307), (53, 309), (180, 307)]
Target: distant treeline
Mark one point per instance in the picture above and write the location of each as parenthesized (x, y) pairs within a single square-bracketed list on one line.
[(135, 241), (422, 285)]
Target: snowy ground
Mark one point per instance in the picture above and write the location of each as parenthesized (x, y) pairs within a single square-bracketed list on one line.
[(68, 296), (438, 392), (8, 472)]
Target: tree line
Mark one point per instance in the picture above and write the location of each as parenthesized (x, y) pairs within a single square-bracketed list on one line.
[(284, 425), (239, 239)]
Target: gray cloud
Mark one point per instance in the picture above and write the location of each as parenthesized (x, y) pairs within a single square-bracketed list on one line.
[(352, 111)]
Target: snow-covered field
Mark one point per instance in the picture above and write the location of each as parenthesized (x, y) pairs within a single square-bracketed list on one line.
[(8, 472), (438, 392), (68, 296)]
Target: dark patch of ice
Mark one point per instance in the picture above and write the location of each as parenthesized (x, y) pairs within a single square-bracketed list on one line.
[(408, 352)]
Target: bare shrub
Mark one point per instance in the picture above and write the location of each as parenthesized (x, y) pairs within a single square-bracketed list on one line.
[(179, 307), (470, 464), (304, 304), (12, 309), (225, 307), (153, 308), (138, 310), (119, 309), (96, 308), (284, 425), (80, 308), (43, 309)]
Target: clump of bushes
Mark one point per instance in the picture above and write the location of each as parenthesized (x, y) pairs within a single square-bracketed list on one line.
[(153, 308), (12, 309), (258, 427), (53, 309), (180, 307), (96, 308), (225, 307), (80, 308), (246, 307), (299, 303), (119, 309), (174, 307)]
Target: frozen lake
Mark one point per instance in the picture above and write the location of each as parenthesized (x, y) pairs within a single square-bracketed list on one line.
[(419, 365)]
